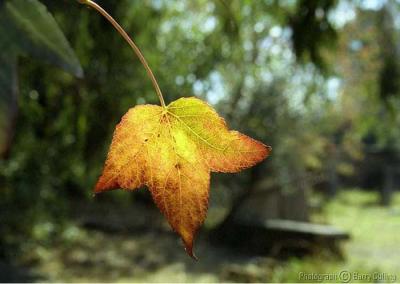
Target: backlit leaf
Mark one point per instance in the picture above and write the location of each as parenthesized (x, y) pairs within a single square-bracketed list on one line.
[(172, 151)]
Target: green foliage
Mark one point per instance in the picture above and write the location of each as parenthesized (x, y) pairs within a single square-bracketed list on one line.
[(8, 97), (26, 27)]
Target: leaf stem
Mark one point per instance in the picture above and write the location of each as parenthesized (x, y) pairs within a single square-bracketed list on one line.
[(124, 34)]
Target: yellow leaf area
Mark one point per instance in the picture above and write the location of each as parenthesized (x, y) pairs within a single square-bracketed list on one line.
[(172, 151)]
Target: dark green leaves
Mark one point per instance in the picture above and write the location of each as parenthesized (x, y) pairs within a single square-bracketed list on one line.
[(8, 98), (27, 28)]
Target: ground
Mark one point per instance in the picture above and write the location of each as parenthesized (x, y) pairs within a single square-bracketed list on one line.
[(148, 255)]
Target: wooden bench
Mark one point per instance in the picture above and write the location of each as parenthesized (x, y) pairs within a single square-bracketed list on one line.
[(279, 237)]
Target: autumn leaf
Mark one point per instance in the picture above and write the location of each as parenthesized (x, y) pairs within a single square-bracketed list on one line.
[(172, 151)]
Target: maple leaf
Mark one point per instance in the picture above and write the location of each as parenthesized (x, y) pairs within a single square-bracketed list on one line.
[(172, 151)]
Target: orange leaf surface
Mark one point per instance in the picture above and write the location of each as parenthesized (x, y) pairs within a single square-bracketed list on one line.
[(172, 151)]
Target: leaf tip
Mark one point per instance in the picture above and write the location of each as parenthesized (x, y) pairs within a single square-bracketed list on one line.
[(79, 73), (188, 239), (268, 150), (102, 186), (189, 249)]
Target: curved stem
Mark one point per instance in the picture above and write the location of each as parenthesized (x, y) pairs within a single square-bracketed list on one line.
[(130, 42)]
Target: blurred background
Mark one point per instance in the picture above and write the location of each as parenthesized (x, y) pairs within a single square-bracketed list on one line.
[(318, 80)]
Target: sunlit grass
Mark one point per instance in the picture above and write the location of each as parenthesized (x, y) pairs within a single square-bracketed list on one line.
[(375, 237)]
